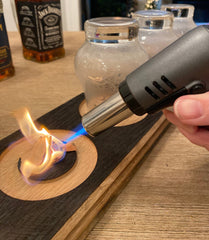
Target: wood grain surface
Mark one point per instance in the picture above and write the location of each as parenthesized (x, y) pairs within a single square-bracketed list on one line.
[(116, 149), (168, 197)]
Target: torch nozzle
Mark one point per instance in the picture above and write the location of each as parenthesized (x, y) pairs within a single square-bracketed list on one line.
[(106, 115)]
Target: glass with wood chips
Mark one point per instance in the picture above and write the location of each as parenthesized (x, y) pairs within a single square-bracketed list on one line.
[(111, 51), (183, 17), (155, 30)]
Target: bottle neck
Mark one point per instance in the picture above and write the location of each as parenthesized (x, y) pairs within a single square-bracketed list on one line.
[(1, 6)]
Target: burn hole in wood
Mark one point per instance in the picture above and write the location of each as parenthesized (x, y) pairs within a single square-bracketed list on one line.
[(58, 169)]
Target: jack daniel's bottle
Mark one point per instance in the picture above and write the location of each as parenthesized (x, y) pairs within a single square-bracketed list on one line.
[(6, 65), (40, 27)]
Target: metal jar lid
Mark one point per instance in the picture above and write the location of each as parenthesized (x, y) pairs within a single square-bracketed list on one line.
[(153, 19), (111, 28), (179, 10)]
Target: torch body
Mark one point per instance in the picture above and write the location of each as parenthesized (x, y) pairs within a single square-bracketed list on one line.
[(182, 68)]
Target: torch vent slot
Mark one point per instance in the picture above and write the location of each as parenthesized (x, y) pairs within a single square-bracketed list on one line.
[(154, 95), (161, 89), (168, 82)]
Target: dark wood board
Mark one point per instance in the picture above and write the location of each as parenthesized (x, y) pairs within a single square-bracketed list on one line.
[(69, 215)]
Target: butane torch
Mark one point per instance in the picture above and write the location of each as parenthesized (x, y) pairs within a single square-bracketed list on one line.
[(182, 68)]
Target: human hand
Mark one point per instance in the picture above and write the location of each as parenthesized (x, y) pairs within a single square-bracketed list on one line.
[(191, 116)]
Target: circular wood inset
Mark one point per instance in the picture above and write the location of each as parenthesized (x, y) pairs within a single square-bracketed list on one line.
[(83, 109), (12, 183)]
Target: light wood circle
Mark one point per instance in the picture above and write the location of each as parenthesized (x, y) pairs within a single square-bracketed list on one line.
[(12, 183), (83, 109)]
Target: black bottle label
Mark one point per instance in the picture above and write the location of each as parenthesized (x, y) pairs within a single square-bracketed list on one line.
[(40, 25), (5, 54)]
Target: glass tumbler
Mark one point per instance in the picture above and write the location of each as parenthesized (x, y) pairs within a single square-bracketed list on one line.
[(110, 52), (183, 17), (155, 30)]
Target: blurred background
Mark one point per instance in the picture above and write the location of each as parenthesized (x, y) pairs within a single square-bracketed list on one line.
[(99, 8), (75, 12)]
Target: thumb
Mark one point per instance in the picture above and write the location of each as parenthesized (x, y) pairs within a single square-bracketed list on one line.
[(193, 109)]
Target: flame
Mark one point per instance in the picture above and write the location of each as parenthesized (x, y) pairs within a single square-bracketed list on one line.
[(45, 151)]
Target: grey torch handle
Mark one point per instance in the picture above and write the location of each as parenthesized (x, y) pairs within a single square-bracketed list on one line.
[(181, 68)]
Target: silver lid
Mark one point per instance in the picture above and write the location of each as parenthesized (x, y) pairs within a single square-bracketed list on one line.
[(111, 28), (153, 19), (179, 10)]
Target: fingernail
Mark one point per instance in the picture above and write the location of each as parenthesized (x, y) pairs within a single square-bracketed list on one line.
[(188, 109)]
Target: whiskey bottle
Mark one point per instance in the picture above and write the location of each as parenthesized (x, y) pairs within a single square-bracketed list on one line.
[(40, 26), (6, 65)]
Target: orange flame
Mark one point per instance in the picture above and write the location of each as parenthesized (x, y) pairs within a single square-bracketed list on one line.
[(45, 152)]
